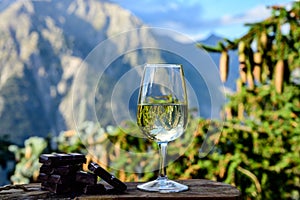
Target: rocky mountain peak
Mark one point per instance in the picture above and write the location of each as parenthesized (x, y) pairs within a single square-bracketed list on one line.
[(42, 44)]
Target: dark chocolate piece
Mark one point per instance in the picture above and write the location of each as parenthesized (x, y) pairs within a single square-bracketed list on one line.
[(107, 177), (56, 188), (55, 178), (113, 191), (60, 170), (43, 177), (61, 159), (59, 179), (46, 158), (86, 178), (67, 169), (94, 189), (46, 169)]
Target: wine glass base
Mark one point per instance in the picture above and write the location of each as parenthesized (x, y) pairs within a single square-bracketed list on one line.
[(162, 186)]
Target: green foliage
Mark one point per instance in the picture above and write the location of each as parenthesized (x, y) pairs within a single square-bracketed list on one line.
[(266, 142), (260, 154), (258, 158), (253, 156), (259, 148), (27, 167)]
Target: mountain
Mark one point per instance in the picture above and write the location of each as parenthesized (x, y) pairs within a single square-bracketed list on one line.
[(61, 62)]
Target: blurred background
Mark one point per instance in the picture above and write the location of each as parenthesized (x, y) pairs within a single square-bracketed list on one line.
[(43, 43)]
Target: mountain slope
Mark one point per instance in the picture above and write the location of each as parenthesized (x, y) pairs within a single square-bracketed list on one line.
[(41, 50), (57, 67)]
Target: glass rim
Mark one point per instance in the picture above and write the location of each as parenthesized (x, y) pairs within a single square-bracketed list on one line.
[(167, 65)]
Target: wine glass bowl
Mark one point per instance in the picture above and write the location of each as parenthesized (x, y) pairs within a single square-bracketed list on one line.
[(162, 116), (162, 122)]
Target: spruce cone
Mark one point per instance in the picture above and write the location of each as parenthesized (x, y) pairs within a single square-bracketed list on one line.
[(224, 61), (279, 76), (257, 66)]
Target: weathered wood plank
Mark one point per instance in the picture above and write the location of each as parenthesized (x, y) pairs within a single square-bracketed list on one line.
[(198, 189)]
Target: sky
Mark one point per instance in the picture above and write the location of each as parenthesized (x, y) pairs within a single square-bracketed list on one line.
[(197, 19)]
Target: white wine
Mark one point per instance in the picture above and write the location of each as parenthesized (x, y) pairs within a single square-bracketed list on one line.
[(162, 122), (162, 116)]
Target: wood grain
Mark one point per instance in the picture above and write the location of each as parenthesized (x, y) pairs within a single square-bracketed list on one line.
[(198, 189)]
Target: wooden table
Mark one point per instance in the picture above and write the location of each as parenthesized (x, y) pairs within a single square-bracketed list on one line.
[(198, 189)]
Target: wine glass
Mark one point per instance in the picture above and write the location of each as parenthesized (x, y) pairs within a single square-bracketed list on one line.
[(162, 116)]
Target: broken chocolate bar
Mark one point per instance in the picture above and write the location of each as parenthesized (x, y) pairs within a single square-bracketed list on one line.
[(43, 177), (55, 178), (68, 169), (56, 188), (60, 170), (59, 179), (46, 169), (46, 158), (107, 177), (86, 178), (61, 173), (94, 189), (60, 159)]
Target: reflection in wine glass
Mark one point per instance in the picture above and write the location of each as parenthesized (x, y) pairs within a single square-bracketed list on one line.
[(162, 116)]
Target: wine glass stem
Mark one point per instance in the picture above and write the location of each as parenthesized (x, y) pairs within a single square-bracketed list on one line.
[(163, 154)]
